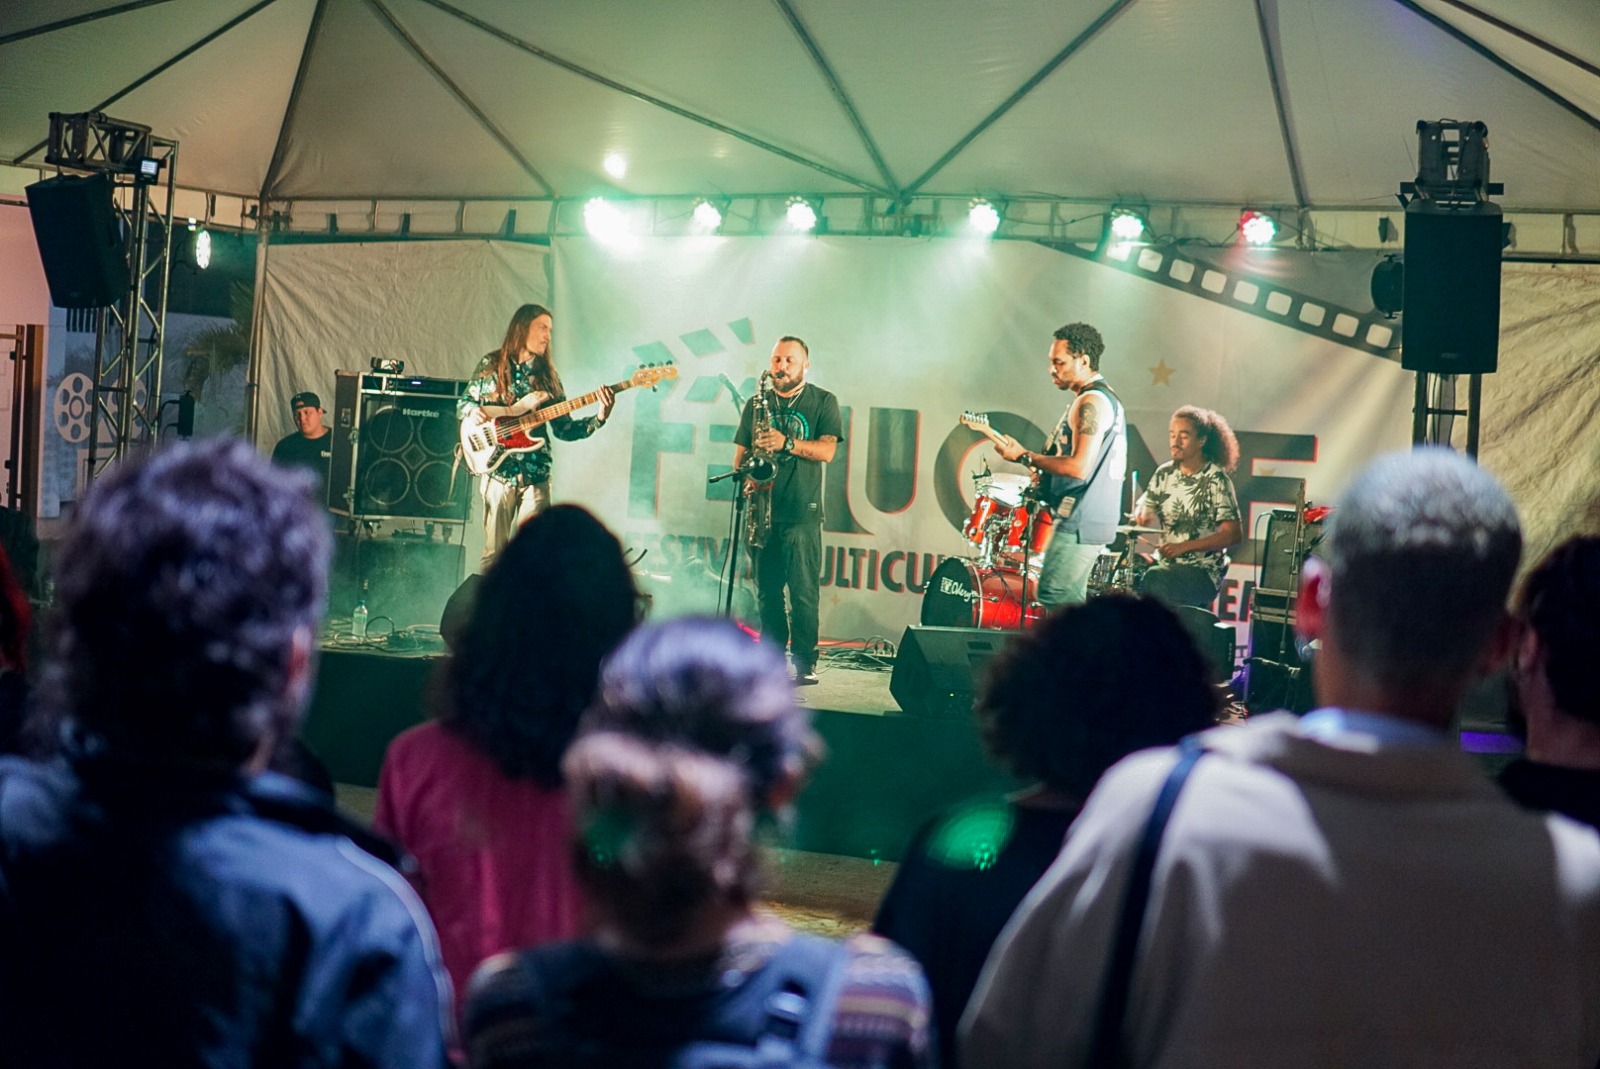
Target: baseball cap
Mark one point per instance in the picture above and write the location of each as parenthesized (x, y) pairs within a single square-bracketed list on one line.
[(304, 399)]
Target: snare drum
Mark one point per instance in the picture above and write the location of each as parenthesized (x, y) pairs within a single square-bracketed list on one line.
[(961, 594)]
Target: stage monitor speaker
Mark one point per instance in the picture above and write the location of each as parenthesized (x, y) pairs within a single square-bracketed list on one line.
[(406, 581), (1281, 558), (81, 243), (938, 669), (1451, 303)]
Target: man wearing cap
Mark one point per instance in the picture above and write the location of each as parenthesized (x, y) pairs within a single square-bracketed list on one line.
[(311, 446)]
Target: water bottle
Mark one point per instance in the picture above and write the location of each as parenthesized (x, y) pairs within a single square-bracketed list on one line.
[(358, 621)]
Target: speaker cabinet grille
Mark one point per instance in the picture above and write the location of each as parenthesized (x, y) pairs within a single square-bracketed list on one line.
[(394, 455)]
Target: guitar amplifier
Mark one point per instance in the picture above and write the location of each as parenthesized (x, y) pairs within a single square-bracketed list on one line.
[(394, 446), (1282, 556)]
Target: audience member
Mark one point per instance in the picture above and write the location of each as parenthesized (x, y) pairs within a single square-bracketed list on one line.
[(476, 796), (162, 901), (695, 741), (15, 616), (1342, 889), (1552, 694), (1060, 705)]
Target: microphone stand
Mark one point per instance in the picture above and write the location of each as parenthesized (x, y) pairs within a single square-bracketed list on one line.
[(751, 463)]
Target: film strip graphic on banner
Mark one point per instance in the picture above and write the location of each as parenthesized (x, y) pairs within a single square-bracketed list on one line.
[(1370, 331)]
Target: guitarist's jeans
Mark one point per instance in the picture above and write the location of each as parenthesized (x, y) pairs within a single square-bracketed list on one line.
[(1064, 575), (792, 559), (506, 508)]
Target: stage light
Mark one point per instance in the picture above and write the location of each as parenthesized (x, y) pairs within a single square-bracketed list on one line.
[(1388, 285), (983, 217), (616, 164), (707, 216), (801, 214), (1257, 227), (202, 248), (602, 219), (1126, 225)]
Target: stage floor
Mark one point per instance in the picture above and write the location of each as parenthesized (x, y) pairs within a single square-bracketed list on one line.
[(885, 773)]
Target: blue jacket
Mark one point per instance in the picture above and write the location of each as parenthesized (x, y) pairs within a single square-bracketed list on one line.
[(155, 915)]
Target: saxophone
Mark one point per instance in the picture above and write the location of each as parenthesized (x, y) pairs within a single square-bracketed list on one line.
[(760, 468)]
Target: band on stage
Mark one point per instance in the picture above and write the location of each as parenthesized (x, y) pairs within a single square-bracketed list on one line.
[(1055, 532)]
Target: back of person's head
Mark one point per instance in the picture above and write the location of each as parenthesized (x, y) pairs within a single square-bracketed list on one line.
[(185, 581), (1560, 601), (1421, 553), (1095, 682), (558, 599), (695, 735)]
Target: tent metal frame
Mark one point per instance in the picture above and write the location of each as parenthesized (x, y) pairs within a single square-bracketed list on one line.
[(125, 392)]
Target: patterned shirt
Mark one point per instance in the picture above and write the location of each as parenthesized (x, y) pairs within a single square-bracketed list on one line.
[(881, 1018), (1192, 506), (522, 469)]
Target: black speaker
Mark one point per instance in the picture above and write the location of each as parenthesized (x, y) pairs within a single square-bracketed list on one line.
[(1280, 556), (937, 670), (81, 244), (1451, 309), (394, 444), (405, 462), (404, 581)]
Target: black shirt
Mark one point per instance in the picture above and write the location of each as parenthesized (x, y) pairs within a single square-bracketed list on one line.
[(811, 414)]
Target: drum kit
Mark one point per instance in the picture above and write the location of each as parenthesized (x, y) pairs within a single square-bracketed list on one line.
[(1010, 528)]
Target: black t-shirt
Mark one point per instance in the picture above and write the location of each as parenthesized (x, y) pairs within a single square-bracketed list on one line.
[(1572, 792), (963, 874), (297, 450), (313, 454), (807, 416)]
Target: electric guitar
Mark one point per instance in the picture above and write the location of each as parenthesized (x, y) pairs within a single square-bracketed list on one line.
[(979, 422), (508, 430)]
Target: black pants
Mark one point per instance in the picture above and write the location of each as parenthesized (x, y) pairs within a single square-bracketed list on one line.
[(791, 560)]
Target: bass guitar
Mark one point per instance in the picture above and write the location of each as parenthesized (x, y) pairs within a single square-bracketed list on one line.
[(509, 429)]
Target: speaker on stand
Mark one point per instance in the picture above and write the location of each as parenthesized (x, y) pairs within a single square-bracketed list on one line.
[(81, 244)]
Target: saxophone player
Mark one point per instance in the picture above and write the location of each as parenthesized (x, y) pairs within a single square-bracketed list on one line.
[(803, 433)]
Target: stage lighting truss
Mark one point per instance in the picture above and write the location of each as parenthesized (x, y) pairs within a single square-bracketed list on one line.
[(1257, 228), (1168, 265), (801, 214), (983, 217), (130, 335)]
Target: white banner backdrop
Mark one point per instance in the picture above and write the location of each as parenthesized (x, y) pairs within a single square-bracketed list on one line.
[(908, 333), (437, 305)]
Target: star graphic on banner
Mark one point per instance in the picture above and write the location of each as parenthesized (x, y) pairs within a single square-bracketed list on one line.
[(1161, 374), (1266, 473)]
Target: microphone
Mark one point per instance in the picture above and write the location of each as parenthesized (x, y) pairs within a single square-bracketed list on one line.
[(737, 400)]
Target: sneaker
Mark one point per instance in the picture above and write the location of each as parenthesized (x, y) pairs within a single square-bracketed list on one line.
[(804, 675)]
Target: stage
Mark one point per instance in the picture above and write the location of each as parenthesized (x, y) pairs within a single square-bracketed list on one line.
[(885, 771)]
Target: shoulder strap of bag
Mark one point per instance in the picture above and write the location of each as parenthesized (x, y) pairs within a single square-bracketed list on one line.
[(1105, 1049), (804, 1023)]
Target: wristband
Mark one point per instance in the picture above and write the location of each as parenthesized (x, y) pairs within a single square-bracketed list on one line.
[(788, 444)]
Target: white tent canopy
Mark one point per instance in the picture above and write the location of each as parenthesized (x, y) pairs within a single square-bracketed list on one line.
[(1297, 105)]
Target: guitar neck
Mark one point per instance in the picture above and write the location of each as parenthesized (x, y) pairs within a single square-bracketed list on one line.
[(570, 405), (985, 430)]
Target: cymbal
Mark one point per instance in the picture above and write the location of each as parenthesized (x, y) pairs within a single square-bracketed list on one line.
[(1132, 529)]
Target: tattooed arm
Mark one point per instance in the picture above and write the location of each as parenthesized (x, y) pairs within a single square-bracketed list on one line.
[(1090, 418)]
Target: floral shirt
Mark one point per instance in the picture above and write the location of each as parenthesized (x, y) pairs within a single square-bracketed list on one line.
[(1192, 506), (522, 469)]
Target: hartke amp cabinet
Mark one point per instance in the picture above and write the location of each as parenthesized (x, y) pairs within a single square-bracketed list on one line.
[(394, 447)]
